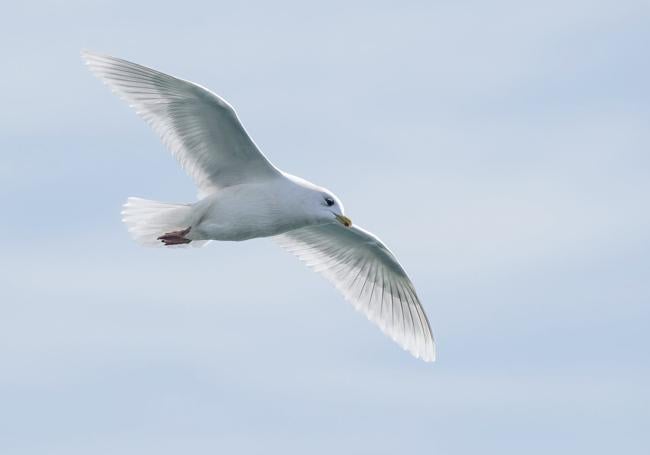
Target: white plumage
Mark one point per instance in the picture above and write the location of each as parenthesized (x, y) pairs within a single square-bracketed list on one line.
[(244, 196), (369, 276)]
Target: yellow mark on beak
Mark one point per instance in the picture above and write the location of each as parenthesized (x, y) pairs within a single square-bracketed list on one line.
[(344, 220)]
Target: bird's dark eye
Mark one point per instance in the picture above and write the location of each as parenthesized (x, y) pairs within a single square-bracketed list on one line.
[(329, 201)]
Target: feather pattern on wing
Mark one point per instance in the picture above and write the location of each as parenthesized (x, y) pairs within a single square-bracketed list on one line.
[(200, 128), (370, 277)]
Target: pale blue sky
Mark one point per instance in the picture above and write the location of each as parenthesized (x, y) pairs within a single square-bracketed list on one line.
[(501, 149)]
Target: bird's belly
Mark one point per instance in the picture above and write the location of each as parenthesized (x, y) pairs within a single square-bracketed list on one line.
[(241, 218), (237, 231)]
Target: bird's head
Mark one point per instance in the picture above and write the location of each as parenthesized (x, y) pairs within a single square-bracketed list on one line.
[(331, 207), (321, 204)]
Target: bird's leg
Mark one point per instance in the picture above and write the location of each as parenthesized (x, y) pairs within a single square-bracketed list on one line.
[(175, 237)]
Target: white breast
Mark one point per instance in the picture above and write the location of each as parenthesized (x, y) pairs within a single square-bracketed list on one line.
[(248, 211)]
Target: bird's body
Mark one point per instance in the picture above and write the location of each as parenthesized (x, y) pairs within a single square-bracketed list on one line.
[(252, 210), (247, 211), (244, 196)]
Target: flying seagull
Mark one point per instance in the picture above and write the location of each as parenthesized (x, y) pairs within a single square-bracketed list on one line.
[(242, 195)]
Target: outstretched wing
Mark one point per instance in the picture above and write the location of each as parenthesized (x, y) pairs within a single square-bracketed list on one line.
[(369, 276), (200, 128)]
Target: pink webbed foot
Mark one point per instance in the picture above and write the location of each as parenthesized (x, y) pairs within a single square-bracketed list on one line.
[(175, 237)]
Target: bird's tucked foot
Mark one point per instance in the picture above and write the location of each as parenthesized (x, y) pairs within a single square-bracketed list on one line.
[(175, 237)]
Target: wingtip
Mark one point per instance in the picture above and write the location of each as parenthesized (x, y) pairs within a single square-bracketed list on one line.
[(89, 58), (428, 356), (93, 58), (86, 55)]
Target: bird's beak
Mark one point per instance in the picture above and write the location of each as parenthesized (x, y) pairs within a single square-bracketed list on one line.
[(344, 220)]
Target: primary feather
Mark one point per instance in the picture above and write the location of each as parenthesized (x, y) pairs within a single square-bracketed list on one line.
[(365, 271), (200, 128)]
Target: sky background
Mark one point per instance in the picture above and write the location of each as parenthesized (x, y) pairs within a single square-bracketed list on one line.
[(501, 149)]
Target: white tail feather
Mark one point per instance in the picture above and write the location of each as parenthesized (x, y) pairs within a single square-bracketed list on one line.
[(147, 220)]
